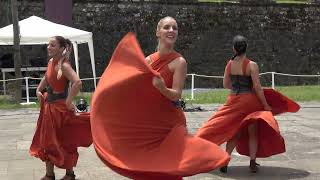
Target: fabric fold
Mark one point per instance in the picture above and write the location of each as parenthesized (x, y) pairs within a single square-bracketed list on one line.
[(59, 133), (239, 111), (137, 131)]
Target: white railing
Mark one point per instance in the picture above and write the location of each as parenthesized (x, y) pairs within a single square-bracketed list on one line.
[(28, 87), (193, 76), (193, 89)]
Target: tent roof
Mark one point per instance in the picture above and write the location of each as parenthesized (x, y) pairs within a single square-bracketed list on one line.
[(35, 30)]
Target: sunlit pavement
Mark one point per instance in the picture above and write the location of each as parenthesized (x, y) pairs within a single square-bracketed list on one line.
[(301, 161)]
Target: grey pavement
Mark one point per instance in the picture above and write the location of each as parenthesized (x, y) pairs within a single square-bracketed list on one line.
[(301, 160)]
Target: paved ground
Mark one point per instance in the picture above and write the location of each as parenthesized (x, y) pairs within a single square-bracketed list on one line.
[(300, 130)]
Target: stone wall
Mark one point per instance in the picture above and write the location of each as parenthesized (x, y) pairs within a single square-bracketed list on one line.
[(282, 37)]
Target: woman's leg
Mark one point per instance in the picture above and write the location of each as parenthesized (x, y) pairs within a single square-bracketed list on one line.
[(49, 171), (69, 171), (253, 146), (231, 144), (69, 175), (49, 168)]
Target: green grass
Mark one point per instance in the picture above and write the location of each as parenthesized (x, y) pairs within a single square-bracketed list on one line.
[(297, 93), (213, 96), (292, 2), (6, 102), (301, 93), (84, 95)]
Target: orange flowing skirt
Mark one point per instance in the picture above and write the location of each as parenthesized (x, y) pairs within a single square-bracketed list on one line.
[(58, 134), (138, 132), (241, 110)]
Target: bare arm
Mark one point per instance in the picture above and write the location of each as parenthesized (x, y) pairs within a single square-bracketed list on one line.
[(257, 86), (43, 83), (179, 76), (72, 76), (226, 79)]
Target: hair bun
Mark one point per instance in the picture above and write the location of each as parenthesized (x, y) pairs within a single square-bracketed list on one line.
[(240, 45)]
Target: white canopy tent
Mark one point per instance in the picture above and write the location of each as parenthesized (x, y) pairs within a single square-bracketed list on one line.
[(35, 30)]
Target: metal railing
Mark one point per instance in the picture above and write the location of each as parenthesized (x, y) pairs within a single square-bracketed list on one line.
[(193, 89), (193, 78)]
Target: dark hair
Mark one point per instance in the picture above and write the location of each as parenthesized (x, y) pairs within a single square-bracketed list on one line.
[(68, 42), (240, 45), (63, 42)]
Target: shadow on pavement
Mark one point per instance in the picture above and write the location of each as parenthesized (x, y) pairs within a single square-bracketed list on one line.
[(265, 172)]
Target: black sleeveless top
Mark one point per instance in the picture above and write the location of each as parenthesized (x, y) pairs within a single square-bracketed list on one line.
[(240, 83)]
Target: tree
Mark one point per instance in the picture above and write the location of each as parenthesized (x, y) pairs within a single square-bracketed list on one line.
[(16, 49)]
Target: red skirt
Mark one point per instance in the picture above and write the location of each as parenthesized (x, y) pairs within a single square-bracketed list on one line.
[(241, 110), (58, 134), (138, 132)]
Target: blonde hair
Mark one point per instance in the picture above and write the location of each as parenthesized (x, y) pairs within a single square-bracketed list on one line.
[(159, 27), (59, 74)]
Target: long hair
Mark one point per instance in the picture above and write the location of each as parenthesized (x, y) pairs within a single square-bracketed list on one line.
[(240, 45), (66, 43)]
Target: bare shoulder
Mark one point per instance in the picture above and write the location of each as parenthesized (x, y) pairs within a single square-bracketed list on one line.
[(253, 64), (254, 68), (181, 61), (178, 64), (66, 65)]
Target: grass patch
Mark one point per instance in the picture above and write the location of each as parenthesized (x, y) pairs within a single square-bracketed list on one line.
[(7, 102), (297, 93), (85, 95), (301, 93), (292, 2), (212, 96)]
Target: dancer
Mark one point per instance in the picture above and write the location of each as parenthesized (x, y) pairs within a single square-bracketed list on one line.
[(59, 131), (137, 129), (246, 120)]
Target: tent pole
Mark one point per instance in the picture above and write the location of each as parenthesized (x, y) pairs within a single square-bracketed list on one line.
[(90, 44), (76, 56)]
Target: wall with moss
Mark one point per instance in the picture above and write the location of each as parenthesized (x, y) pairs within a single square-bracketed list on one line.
[(282, 37)]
